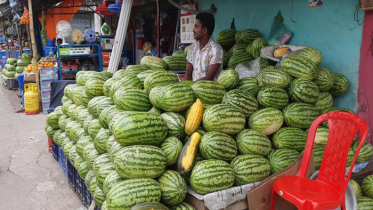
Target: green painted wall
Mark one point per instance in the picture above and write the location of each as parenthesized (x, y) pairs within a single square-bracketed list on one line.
[(330, 28)]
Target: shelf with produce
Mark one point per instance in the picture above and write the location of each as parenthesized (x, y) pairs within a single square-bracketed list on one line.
[(96, 57)]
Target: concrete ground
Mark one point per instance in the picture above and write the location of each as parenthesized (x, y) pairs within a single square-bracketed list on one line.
[(30, 179)]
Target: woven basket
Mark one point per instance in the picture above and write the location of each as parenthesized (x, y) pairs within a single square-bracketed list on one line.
[(366, 5)]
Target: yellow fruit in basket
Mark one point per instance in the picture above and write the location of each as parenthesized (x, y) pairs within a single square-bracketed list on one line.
[(278, 52)]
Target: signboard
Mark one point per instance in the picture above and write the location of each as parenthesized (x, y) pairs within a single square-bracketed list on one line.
[(187, 21)]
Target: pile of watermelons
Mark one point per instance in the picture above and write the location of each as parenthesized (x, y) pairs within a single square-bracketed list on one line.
[(125, 132)]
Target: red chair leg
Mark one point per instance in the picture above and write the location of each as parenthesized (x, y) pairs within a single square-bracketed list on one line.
[(343, 204), (273, 200)]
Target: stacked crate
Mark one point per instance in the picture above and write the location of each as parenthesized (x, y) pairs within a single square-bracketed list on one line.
[(47, 76)]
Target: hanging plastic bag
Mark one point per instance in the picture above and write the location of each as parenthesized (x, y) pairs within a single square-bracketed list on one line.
[(279, 34), (25, 18)]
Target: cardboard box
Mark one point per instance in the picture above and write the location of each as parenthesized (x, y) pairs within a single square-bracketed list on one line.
[(256, 197), (29, 77)]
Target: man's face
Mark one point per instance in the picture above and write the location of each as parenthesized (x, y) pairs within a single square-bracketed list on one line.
[(198, 30), (59, 42)]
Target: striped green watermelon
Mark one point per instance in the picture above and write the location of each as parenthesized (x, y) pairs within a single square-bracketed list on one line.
[(312, 54), (239, 58), (182, 206), (299, 67), (350, 157), (224, 118), (68, 89), (238, 98), (93, 128), (50, 131), (99, 197), (93, 185), (101, 139), (247, 36), (209, 92), (120, 74), (110, 181), (175, 62), (364, 203), (135, 69), (237, 48), (140, 161), (211, 176), (226, 38), (304, 91), (257, 46), (356, 187), (83, 141), (102, 173), (289, 138), (67, 147), (87, 121), (58, 136), (159, 78), (366, 152), (77, 95), (250, 168), (270, 67), (321, 136), (52, 119), (173, 187), (142, 76), (340, 84), (149, 205), (131, 192), (266, 121), (300, 115), (323, 79), (226, 58), (104, 205), (155, 110), (70, 112), (217, 145), (98, 104), (82, 116), (250, 141), (140, 128), (263, 63), (85, 99), (109, 144), (249, 85), (103, 118), (90, 154), (273, 97), (187, 82), (72, 128), (75, 113), (229, 79), (64, 99), (367, 186), (273, 78), (89, 176), (77, 133), (100, 161), (249, 49), (282, 158), (113, 117), (186, 50), (115, 148), (201, 132), (132, 99), (172, 147), (94, 87), (126, 81), (179, 53), (107, 86), (175, 123), (153, 62), (172, 98), (325, 100)]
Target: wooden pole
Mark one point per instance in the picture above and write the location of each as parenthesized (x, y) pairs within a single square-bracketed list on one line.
[(29, 38), (19, 32), (33, 44)]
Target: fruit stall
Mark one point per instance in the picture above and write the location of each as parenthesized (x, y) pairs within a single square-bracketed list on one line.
[(141, 138)]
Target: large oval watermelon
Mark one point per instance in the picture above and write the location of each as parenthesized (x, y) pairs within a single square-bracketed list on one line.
[(300, 115), (209, 92), (266, 121), (250, 168), (217, 145), (250, 141), (239, 98)]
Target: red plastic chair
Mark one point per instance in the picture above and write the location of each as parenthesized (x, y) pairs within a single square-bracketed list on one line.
[(328, 190)]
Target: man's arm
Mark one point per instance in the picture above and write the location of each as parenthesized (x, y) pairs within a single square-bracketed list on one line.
[(189, 72), (211, 72)]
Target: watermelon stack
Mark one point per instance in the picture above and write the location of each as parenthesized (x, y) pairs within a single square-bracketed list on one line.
[(125, 133)]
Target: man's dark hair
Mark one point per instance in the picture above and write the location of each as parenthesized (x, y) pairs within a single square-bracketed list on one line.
[(207, 20)]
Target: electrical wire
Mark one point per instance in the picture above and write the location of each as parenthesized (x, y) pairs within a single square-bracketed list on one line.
[(356, 15)]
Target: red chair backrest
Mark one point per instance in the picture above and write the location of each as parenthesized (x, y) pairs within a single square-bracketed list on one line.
[(343, 127)]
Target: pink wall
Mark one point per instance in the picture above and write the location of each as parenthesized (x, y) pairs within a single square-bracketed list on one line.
[(365, 87)]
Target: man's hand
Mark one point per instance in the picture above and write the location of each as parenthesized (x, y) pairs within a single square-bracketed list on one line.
[(189, 72), (211, 72)]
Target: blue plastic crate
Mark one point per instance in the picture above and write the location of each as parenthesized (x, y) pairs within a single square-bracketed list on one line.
[(87, 196), (79, 187), (62, 160), (71, 175), (55, 150)]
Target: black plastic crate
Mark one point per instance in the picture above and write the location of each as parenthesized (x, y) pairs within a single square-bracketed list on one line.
[(55, 150), (71, 174)]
